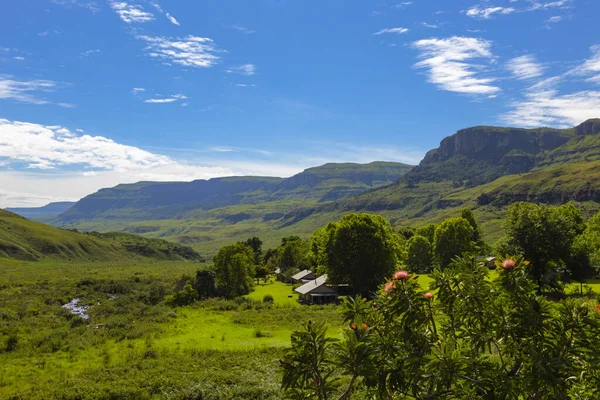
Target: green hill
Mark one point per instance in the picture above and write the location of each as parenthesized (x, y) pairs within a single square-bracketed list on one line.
[(49, 210), (22, 239), (485, 168)]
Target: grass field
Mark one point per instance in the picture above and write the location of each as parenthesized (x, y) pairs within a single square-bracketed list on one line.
[(281, 293)]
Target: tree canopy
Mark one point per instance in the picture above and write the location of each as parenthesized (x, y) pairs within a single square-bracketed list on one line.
[(419, 254), (545, 236), (358, 250), (234, 270), (452, 237)]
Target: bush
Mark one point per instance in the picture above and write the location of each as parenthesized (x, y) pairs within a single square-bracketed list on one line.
[(268, 299)]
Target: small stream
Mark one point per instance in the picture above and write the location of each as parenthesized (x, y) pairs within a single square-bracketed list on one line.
[(75, 309)]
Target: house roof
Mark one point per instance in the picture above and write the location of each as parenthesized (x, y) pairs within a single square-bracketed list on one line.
[(278, 270), (318, 283), (302, 274)]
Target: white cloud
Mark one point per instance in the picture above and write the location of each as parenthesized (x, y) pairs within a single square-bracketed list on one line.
[(131, 13), (486, 13), (391, 30), (157, 6), (241, 28), (136, 90), (544, 5), (171, 99), (245, 69), (590, 67), (525, 67), (23, 91), (403, 4), (88, 53), (546, 107), (555, 19), (447, 62), (190, 51), (426, 25), (19, 58), (172, 19)]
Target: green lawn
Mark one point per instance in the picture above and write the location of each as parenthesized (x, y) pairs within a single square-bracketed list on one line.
[(281, 293)]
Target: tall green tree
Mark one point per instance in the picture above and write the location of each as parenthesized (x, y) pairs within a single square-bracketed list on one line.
[(419, 254), (360, 250), (234, 270), (467, 214), (427, 231), (544, 235), (452, 238), (256, 245)]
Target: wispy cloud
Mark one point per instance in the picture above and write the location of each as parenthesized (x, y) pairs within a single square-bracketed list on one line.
[(403, 4), (590, 67), (190, 51), (90, 5), (447, 61), (171, 99), (25, 91), (391, 30), (89, 53), (525, 67), (131, 13), (432, 26), (137, 90), (172, 19), (543, 103), (240, 28), (486, 13), (245, 69)]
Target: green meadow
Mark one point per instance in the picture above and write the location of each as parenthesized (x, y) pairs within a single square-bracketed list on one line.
[(132, 345)]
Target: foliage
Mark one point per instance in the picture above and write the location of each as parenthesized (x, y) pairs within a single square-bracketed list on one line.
[(268, 299), (452, 238), (188, 295), (545, 236), (419, 254), (467, 214), (359, 250), (234, 270), (427, 231), (476, 338), (204, 284), (256, 245)]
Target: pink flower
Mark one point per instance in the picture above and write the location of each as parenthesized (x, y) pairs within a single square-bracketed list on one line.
[(388, 287), (364, 326), (353, 326), (428, 296), (401, 275), (509, 264)]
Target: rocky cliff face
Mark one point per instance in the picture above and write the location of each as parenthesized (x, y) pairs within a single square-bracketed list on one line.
[(483, 153), (589, 127)]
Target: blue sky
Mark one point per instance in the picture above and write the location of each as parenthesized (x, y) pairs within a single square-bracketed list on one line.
[(96, 93)]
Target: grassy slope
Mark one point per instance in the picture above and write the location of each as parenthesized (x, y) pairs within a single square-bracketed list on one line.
[(23, 239)]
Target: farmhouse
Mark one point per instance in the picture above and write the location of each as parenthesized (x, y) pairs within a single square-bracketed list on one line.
[(316, 292), (304, 276)]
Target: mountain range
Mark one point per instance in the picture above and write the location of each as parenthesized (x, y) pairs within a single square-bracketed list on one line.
[(485, 168)]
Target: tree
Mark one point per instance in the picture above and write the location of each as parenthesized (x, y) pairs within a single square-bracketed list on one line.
[(293, 253), (205, 284), (359, 250), (256, 245), (477, 337), (545, 236), (234, 270), (427, 231), (591, 238), (452, 238), (467, 214), (419, 254)]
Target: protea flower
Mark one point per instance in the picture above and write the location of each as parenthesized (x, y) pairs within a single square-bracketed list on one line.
[(428, 296), (364, 326), (598, 308), (509, 264), (353, 326), (388, 287), (401, 275)]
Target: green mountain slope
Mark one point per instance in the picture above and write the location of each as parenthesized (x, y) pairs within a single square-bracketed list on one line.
[(176, 200), (485, 168), (22, 239), (49, 210)]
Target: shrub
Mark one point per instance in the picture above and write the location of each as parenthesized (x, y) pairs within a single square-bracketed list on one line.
[(268, 299)]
